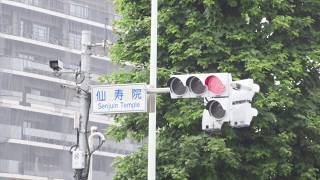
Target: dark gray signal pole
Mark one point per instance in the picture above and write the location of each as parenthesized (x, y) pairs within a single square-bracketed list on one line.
[(84, 96)]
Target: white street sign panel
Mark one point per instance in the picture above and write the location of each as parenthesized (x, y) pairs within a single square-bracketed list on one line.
[(119, 98)]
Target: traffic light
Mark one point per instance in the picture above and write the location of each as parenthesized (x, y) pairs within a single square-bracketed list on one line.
[(200, 85), (242, 115), (241, 96), (225, 100), (216, 112), (234, 109)]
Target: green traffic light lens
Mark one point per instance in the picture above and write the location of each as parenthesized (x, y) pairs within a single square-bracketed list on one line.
[(177, 87)]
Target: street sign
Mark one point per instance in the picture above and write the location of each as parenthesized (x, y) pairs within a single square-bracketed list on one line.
[(119, 98)]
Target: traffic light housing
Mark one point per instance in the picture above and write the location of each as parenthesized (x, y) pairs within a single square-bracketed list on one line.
[(242, 115), (244, 90), (216, 112), (200, 85), (234, 109), (241, 96), (224, 100)]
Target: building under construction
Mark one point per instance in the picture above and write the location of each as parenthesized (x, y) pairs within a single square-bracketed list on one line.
[(36, 112)]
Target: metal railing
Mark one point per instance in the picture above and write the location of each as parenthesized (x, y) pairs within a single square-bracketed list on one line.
[(9, 166), (98, 13), (54, 37), (27, 65), (59, 138)]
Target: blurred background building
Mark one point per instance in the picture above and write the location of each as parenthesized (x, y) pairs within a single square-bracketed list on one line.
[(36, 113)]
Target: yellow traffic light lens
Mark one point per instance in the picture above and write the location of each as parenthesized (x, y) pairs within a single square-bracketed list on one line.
[(196, 85)]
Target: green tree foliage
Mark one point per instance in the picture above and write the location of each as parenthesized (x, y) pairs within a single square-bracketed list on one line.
[(275, 42)]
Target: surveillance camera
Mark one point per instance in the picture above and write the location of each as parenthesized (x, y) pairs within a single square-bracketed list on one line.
[(56, 65), (94, 129)]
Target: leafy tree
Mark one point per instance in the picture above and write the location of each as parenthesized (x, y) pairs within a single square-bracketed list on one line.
[(275, 42)]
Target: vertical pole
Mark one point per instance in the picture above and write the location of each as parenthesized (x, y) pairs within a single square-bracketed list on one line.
[(153, 84), (84, 97), (90, 176)]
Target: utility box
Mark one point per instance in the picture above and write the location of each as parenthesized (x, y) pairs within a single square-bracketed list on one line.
[(76, 120), (78, 159)]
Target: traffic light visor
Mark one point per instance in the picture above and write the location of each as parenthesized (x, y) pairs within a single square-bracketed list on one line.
[(195, 85), (215, 109), (176, 86), (215, 85)]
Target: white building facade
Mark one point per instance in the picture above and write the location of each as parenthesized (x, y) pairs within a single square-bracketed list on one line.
[(36, 113)]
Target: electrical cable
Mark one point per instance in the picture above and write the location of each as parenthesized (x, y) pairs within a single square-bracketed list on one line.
[(77, 144), (78, 134), (98, 147), (79, 75), (87, 141), (83, 90), (91, 153), (78, 174), (72, 147)]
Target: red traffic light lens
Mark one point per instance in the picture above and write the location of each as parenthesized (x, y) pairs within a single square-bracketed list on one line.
[(215, 85)]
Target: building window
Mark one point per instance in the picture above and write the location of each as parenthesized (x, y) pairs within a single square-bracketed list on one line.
[(26, 124), (5, 24), (26, 56), (21, 28), (32, 2), (57, 5), (36, 92), (79, 10), (40, 33), (74, 41)]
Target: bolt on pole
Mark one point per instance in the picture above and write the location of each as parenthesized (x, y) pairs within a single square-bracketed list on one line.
[(84, 97)]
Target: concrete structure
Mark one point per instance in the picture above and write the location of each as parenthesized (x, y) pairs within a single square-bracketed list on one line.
[(36, 114)]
